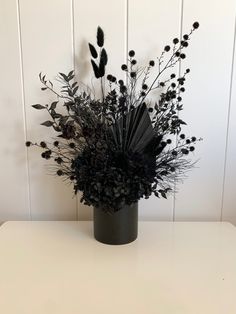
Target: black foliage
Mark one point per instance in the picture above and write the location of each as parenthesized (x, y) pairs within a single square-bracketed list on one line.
[(125, 145)]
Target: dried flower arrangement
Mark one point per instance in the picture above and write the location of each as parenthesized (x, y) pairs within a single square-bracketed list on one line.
[(122, 146)]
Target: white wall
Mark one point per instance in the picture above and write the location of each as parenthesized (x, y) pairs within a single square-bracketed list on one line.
[(52, 36)]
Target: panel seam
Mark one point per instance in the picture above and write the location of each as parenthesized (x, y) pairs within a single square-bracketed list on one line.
[(179, 73), (228, 122), (23, 104)]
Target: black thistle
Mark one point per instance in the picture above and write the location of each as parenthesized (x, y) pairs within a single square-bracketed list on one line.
[(121, 146)]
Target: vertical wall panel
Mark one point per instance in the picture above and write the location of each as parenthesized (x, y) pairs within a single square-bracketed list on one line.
[(152, 25), (13, 185), (229, 199), (206, 105), (111, 17), (47, 47)]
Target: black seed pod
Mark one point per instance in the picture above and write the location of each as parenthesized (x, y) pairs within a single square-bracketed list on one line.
[(175, 41), (185, 37), (28, 143), (152, 63), (133, 74), (100, 37), (72, 145), (124, 67), (43, 145), (131, 53), (167, 48), (59, 172), (195, 25)]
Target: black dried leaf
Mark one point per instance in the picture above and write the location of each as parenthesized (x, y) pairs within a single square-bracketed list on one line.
[(71, 73), (100, 37), (43, 88), (55, 115), (64, 119), (74, 84), (47, 123), (56, 128), (93, 51), (38, 106), (53, 105), (95, 69), (70, 77), (103, 57), (75, 90), (65, 77)]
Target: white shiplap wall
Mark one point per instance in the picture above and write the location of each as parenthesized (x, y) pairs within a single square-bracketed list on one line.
[(52, 36)]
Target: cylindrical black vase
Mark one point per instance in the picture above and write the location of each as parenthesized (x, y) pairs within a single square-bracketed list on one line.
[(120, 227)]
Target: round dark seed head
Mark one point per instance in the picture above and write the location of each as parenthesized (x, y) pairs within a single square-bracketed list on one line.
[(133, 62), (43, 145), (187, 70), (193, 138), (195, 25), (175, 41), (185, 37), (143, 94), (28, 143), (150, 109), (144, 86), (162, 84), (123, 89), (167, 48), (72, 145), (172, 169), (72, 178), (152, 63), (43, 155), (191, 148), (174, 153), (121, 82), (185, 44), (184, 151), (177, 54), (188, 141), (59, 172), (56, 143), (182, 56), (131, 53), (182, 136), (173, 85), (124, 67), (182, 89), (113, 79), (179, 98), (59, 160), (168, 141), (133, 74), (172, 76), (109, 77)]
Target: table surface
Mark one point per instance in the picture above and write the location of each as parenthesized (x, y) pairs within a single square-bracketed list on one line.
[(172, 268)]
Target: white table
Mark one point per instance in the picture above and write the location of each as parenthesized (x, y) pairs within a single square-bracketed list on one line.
[(173, 268)]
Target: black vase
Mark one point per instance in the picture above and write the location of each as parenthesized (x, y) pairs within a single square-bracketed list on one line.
[(120, 227)]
